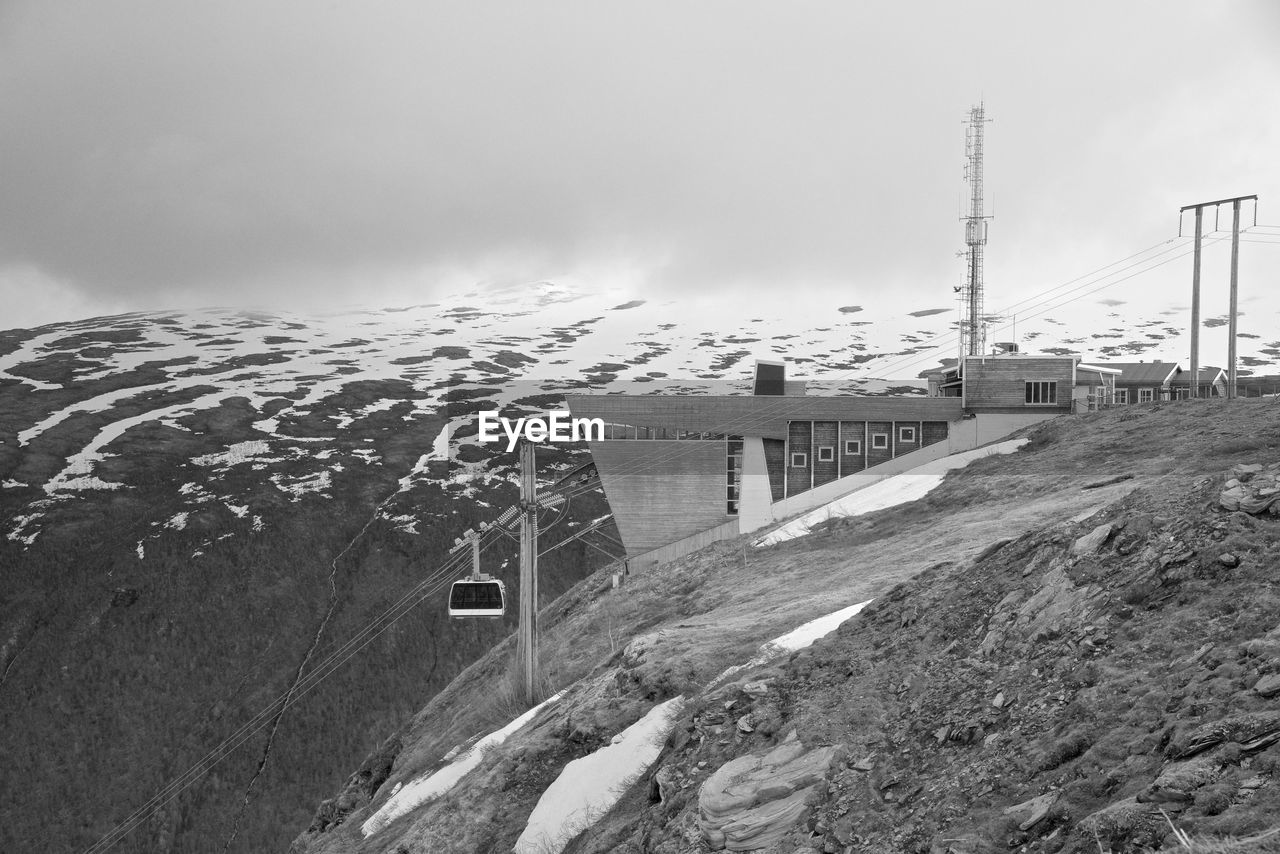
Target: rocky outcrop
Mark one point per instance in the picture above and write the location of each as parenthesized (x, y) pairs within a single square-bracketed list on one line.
[(1253, 488), (1058, 606), (1127, 823), (753, 801)]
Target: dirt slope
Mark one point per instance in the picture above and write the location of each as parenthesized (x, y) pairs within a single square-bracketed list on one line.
[(1047, 666)]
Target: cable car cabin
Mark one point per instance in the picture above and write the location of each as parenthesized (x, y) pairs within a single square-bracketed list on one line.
[(486, 598)]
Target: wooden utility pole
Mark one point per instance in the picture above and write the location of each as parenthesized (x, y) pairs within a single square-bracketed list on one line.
[(527, 643), (1195, 309), (1195, 292), (1231, 322)]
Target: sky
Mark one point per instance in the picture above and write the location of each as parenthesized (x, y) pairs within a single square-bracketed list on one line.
[(309, 155)]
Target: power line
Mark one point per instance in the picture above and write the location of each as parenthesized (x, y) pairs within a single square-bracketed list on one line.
[(233, 742), (300, 687), (765, 412)]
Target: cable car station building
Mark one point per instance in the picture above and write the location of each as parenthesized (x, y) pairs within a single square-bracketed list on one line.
[(683, 471)]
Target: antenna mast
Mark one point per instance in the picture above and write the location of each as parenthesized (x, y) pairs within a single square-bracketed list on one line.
[(972, 333)]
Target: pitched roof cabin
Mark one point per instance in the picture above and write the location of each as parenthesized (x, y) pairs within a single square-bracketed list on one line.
[(1213, 383), (1147, 382)]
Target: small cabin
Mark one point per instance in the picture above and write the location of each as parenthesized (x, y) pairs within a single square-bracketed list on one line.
[(1144, 382), (1213, 383)]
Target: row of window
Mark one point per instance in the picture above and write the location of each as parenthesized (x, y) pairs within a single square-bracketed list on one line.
[(853, 447), (733, 475), (1047, 393)]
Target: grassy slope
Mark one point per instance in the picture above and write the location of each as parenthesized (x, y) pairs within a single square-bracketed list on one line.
[(712, 609)]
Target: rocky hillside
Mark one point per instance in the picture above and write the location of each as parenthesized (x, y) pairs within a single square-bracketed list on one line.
[(1071, 648)]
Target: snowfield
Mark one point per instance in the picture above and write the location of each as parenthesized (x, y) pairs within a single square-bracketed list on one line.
[(588, 787)]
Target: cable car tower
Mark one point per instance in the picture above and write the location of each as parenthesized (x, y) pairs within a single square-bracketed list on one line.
[(972, 326)]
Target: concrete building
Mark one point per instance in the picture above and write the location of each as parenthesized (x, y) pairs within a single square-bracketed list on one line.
[(683, 471)]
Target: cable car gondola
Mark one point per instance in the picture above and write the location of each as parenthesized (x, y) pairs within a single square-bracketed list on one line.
[(477, 597)]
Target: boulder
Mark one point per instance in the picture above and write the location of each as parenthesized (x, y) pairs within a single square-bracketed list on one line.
[(1252, 489), (1092, 541), (1126, 825), (755, 800), (1029, 813)]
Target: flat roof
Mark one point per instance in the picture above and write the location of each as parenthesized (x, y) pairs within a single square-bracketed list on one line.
[(755, 415)]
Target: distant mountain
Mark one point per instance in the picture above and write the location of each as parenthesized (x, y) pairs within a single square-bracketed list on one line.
[(186, 499)]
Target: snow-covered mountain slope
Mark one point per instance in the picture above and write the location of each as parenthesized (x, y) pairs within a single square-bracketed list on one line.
[(295, 385)]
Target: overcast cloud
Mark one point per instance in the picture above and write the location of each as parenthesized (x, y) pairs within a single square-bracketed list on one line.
[(158, 154)]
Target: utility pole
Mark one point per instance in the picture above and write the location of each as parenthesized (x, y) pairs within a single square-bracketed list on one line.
[(1231, 321), (527, 642), (1195, 308), (1195, 291)]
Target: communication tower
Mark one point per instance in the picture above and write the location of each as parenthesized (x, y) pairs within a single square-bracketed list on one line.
[(972, 331)]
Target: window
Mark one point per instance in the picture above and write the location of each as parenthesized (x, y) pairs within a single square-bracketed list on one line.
[(1122, 395), (906, 434), (879, 441), (1146, 395), (853, 446), (799, 460), (826, 454), (1042, 392), (733, 476)]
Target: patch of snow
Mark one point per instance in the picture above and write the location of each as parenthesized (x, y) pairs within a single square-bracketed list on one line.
[(13, 484), (587, 788), (178, 522), (379, 406), (890, 492), (429, 786), (101, 403), (257, 523), (798, 638), (238, 453), (75, 484), (440, 447), (298, 487), (805, 635), (82, 462), (267, 425), (17, 535), (239, 509), (408, 524), (142, 553)]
